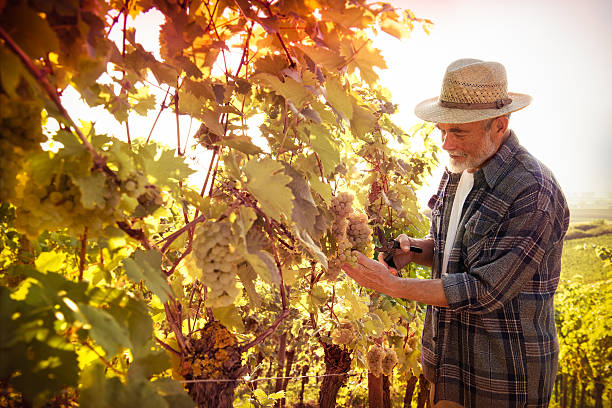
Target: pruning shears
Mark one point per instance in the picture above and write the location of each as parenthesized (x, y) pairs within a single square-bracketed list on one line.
[(389, 247)]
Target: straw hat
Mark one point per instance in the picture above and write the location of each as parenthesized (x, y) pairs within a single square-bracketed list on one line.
[(472, 90)]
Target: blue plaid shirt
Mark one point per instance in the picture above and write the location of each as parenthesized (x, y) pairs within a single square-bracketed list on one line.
[(495, 345)]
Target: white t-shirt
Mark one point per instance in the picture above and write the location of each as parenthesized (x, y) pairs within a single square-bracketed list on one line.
[(463, 189)]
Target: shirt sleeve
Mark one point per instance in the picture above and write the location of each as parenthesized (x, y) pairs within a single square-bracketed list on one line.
[(511, 256)]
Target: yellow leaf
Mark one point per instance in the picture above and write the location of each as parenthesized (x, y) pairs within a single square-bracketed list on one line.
[(267, 181)]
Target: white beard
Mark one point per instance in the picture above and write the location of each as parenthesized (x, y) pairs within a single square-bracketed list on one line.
[(486, 151)]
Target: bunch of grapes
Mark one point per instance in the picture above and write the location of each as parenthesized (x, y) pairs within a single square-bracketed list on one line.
[(20, 133), (374, 359), (359, 232), (350, 231), (344, 334), (381, 360), (53, 202), (389, 361), (216, 255)]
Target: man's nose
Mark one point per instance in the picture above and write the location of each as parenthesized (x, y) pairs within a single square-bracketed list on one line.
[(448, 142)]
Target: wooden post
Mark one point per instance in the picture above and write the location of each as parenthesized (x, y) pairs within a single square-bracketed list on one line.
[(410, 386)]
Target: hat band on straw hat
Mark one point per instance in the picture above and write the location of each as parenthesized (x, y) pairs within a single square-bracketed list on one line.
[(498, 104)]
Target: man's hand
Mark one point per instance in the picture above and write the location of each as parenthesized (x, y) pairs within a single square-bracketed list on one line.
[(402, 256), (376, 275), (372, 274)]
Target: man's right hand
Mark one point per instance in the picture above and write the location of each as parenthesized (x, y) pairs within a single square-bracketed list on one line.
[(404, 255)]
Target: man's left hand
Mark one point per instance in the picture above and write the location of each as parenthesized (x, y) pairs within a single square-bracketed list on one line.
[(371, 274)]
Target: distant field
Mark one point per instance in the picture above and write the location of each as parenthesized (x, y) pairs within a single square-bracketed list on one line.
[(579, 258), (589, 214)]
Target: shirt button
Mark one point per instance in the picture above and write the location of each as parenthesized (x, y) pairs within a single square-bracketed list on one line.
[(435, 338)]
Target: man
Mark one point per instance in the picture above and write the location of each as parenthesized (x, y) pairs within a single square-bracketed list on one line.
[(498, 222)]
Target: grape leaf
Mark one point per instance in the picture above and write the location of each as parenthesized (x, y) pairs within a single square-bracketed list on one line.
[(363, 121), (168, 169), (247, 276), (50, 261), (241, 143), (264, 264), (105, 330), (327, 151), (93, 386), (321, 188), (268, 183), (338, 97), (329, 59), (173, 392), (304, 208), (290, 89), (310, 246), (229, 316), (11, 71), (92, 190), (146, 265), (38, 39)]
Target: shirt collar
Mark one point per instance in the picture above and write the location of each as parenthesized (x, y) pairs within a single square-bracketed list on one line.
[(494, 168)]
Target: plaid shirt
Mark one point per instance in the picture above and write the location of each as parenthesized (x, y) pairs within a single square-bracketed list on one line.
[(496, 344)]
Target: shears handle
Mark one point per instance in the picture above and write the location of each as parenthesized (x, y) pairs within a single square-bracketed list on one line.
[(396, 245)]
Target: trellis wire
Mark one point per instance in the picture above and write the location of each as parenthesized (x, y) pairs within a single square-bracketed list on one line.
[(249, 380)]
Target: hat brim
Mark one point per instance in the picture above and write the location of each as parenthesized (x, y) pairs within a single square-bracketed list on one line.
[(430, 111)]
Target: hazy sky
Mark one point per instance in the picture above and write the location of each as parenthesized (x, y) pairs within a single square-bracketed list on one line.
[(558, 51)]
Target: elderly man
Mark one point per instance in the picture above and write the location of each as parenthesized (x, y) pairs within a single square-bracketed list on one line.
[(498, 222)]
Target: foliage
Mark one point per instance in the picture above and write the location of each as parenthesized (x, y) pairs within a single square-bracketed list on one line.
[(580, 258), (100, 299), (584, 318)]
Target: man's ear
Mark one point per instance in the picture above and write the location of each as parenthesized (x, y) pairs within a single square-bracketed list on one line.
[(500, 125)]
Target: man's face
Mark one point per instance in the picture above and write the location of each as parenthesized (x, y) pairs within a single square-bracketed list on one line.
[(468, 145)]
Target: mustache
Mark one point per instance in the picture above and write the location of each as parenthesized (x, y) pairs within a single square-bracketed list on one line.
[(456, 153)]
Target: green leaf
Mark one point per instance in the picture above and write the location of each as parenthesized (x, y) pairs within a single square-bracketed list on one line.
[(244, 221), (247, 276), (11, 71), (313, 249), (105, 330), (139, 393), (211, 119), (146, 266), (50, 261), (339, 98), (290, 89), (145, 101), (268, 183), (321, 188), (173, 392), (229, 316), (327, 150), (363, 121), (93, 386), (92, 190), (325, 57), (38, 39), (240, 143), (264, 264), (146, 365), (168, 169), (304, 208)]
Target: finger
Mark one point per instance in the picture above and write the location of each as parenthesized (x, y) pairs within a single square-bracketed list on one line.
[(405, 242), (367, 262), (381, 258)]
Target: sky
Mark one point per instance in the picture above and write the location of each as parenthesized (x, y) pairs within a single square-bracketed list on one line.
[(558, 51)]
